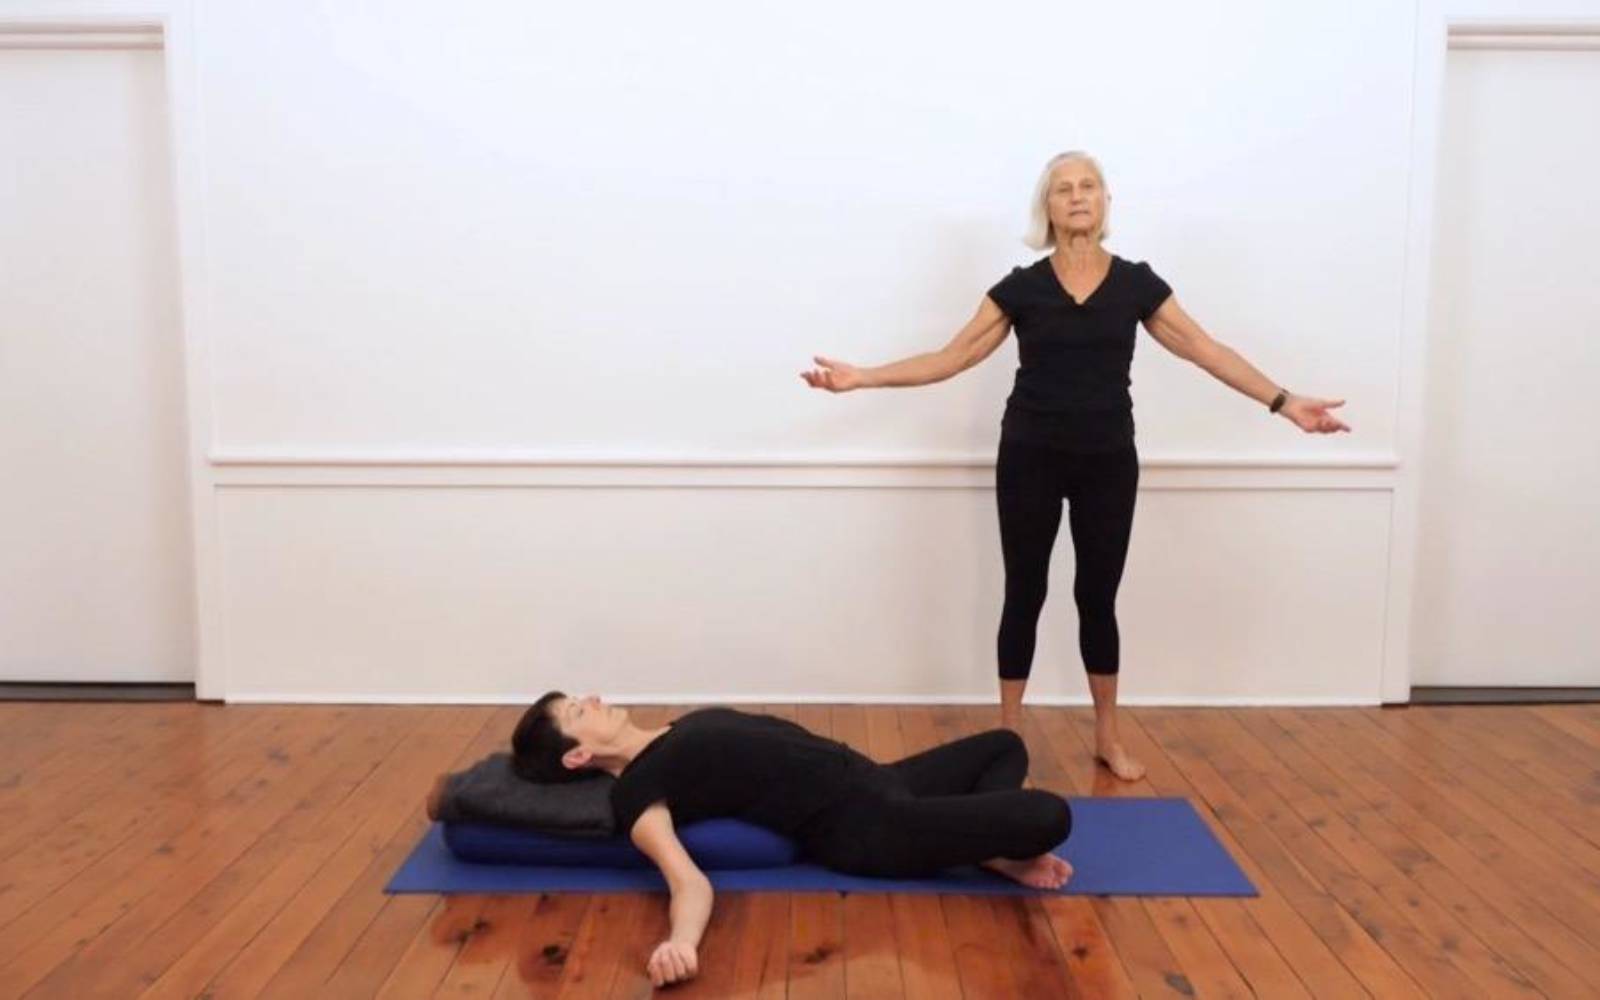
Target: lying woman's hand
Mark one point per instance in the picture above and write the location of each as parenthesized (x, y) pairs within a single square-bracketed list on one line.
[(672, 962)]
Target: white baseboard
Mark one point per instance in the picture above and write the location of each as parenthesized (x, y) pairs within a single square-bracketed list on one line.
[(1135, 701)]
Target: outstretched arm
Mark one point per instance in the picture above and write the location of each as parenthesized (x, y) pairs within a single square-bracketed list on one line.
[(1177, 331), (971, 344), (676, 958)]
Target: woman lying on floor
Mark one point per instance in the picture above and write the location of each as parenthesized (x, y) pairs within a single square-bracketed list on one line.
[(960, 803)]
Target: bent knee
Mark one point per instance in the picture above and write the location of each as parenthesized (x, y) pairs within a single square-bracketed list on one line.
[(1051, 816), (1007, 743)]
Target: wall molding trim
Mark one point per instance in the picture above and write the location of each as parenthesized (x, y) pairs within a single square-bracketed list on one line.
[(246, 457), (680, 698), (550, 470), (87, 34), (1545, 36)]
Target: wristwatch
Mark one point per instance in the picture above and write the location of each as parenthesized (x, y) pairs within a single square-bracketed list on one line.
[(1278, 401)]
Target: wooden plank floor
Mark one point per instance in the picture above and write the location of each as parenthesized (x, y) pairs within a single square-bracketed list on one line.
[(154, 850)]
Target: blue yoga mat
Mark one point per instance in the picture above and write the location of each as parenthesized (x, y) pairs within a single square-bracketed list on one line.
[(1118, 847)]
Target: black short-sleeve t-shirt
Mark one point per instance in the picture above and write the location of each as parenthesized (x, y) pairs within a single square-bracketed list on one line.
[(1071, 390), (722, 762)]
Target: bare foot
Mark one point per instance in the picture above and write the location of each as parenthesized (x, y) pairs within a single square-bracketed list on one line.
[(436, 795), (1044, 872), (1119, 761), (1011, 721)]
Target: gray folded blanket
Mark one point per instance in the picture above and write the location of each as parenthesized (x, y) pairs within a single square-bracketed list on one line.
[(491, 792)]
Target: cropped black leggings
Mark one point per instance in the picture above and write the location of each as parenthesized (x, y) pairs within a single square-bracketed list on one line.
[(960, 803), (1100, 489)]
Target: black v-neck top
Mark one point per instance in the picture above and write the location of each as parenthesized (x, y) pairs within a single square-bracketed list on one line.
[(1071, 390), (722, 762)]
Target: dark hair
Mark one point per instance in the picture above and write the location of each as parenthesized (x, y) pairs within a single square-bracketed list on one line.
[(537, 745)]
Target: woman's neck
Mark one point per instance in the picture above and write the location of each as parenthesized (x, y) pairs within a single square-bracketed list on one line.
[(629, 745), (1080, 253)]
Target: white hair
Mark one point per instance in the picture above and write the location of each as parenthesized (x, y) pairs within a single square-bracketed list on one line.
[(1041, 235)]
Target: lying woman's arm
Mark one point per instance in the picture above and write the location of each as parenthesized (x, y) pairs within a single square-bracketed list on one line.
[(676, 958)]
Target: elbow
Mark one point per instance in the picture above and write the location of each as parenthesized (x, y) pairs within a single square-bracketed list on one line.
[(697, 892), (953, 363), (693, 883)]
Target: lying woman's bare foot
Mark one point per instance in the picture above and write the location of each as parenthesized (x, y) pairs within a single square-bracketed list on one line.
[(1044, 872), (1119, 761), (436, 795)]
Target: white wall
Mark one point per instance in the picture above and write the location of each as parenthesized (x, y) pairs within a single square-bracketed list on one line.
[(1509, 568), (600, 230), (1550, 24), (95, 561), (480, 286), (1522, 12), (491, 591), (496, 320)]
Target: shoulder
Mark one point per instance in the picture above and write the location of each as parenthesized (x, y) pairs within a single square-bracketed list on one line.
[(1022, 285), (1024, 273), (701, 717), (1139, 274), (1143, 286), (634, 792), (1141, 271), (1039, 270)]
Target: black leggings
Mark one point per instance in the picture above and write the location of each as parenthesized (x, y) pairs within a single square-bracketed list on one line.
[(960, 803), (1100, 489)]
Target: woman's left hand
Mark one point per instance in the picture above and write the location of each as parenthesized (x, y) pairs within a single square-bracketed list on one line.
[(1312, 416)]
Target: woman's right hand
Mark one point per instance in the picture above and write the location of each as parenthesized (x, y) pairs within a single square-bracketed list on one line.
[(834, 376), (672, 962)]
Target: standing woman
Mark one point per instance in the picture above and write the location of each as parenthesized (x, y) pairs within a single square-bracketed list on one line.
[(1067, 433)]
